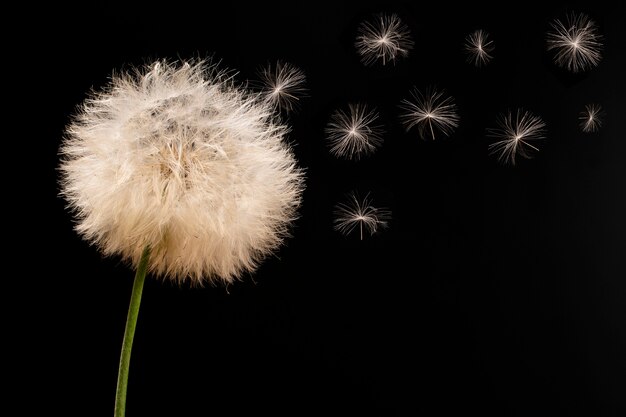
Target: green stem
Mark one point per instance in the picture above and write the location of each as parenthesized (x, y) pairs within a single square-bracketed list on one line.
[(129, 333)]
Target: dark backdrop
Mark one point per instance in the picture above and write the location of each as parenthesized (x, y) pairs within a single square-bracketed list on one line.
[(496, 290)]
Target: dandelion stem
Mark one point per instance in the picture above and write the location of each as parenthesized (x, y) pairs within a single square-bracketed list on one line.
[(129, 333)]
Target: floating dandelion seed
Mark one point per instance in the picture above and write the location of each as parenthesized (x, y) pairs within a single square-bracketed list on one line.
[(591, 118), (478, 48), (577, 43), (359, 213), (430, 112), (283, 85), (386, 38), (176, 158), (514, 133), (353, 134)]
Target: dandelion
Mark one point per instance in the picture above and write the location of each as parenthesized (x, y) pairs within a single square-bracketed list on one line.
[(359, 213), (283, 85), (384, 39), (430, 112), (591, 118), (576, 43), (182, 174), (478, 48), (514, 133), (177, 159), (354, 133)]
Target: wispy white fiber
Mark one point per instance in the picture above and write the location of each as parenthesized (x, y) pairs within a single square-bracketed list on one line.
[(591, 118), (354, 133), (176, 157), (479, 47), (431, 112), (283, 85), (514, 135), (576, 43), (357, 213), (383, 39)]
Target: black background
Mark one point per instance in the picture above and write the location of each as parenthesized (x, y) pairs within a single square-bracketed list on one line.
[(496, 290)]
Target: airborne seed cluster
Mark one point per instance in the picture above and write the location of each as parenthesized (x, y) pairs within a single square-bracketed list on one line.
[(354, 132)]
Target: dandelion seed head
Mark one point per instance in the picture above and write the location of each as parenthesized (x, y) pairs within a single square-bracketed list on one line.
[(431, 112), (576, 43), (514, 134), (354, 133), (383, 39), (175, 157), (359, 214)]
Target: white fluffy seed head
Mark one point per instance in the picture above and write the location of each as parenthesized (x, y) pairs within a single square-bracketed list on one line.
[(174, 156)]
